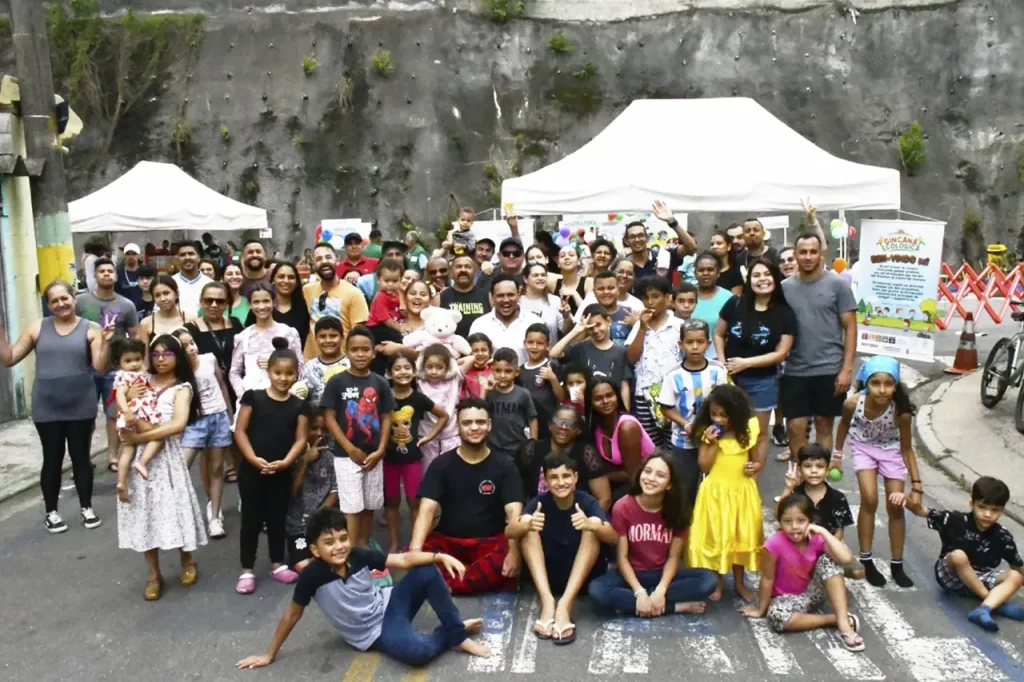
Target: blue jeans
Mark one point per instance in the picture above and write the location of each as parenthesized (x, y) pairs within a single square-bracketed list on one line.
[(689, 584), (399, 639)]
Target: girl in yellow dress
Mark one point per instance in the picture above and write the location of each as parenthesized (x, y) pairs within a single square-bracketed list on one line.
[(727, 531)]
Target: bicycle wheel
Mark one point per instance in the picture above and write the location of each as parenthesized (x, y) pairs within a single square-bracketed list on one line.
[(995, 376)]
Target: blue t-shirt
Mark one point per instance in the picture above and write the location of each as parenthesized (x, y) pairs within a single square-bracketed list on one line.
[(708, 310), (558, 523)]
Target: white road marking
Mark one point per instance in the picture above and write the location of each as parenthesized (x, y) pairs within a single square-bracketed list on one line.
[(1009, 649), (910, 377), (850, 665), (616, 651), (778, 657), (705, 652), (498, 619), (855, 509), (525, 660)]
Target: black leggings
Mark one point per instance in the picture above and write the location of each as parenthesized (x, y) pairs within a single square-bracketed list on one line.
[(77, 437), (264, 500)]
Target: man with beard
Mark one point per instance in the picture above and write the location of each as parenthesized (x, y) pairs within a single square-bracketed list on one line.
[(188, 278), (127, 284), (102, 305), (505, 325), (645, 260), (355, 261), (436, 275), (739, 248), (472, 301), (478, 494), (754, 239), (331, 296), (254, 265)]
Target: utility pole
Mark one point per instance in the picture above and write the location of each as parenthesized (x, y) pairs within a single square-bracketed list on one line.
[(54, 250)]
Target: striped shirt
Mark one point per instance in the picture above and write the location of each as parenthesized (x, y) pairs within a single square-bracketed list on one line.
[(683, 390)]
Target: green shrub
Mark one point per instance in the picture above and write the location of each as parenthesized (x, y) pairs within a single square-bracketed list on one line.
[(225, 133), (912, 148), (382, 63), (502, 10), (559, 43), (310, 64)]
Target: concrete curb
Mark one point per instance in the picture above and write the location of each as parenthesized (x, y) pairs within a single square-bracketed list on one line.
[(20, 485), (930, 447)]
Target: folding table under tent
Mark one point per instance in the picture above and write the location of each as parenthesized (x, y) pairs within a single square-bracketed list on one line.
[(699, 155), (161, 196)]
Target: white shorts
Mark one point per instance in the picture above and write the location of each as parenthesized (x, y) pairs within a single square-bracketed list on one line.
[(359, 490)]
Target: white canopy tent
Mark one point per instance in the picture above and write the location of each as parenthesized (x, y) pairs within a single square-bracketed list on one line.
[(161, 196), (710, 155)]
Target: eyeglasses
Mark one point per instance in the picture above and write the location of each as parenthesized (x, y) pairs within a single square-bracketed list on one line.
[(162, 354), (511, 254), (215, 301)]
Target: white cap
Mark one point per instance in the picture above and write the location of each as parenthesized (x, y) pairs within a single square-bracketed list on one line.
[(131, 247)]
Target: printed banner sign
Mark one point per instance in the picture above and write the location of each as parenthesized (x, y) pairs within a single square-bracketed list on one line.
[(898, 288)]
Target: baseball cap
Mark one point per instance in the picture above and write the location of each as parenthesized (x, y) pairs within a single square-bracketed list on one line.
[(510, 241), (134, 248)]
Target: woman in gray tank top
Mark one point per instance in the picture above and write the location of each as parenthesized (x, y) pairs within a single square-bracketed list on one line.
[(63, 394)]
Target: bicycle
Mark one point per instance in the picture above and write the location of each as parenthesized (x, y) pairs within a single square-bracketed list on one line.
[(1005, 367)]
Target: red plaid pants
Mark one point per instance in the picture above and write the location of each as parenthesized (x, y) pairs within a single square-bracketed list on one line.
[(483, 558)]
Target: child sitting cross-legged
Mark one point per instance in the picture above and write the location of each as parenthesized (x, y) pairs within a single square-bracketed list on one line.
[(798, 569), (973, 546)]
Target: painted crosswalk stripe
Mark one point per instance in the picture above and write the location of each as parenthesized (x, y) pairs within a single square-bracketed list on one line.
[(362, 668), (1009, 649), (497, 614), (706, 653), (778, 657), (615, 650), (525, 660), (849, 665)]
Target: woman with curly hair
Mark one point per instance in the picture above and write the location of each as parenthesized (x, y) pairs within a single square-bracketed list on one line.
[(727, 532)]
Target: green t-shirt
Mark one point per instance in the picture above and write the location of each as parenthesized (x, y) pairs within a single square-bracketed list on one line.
[(372, 251)]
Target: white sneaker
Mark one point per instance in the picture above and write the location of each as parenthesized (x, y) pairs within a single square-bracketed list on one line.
[(89, 518), (217, 528), (54, 523)]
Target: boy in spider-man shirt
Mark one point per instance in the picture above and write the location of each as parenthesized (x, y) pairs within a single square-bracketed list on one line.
[(357, 406)]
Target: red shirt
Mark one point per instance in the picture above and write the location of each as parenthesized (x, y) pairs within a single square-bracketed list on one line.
[(471, 385), (649, 537), (385, 306), (365, 266)]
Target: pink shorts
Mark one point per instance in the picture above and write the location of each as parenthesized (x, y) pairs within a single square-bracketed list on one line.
[(397, 475), (437, 447), (889, 462)]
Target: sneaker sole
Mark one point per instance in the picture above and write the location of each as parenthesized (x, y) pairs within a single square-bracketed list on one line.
[(92, 524), (63, 529)]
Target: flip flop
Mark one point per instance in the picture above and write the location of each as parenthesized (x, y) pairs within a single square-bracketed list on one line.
[(561, 639), (112, 467), (852, 642), (782, 456), (546, 625), (230, 476)]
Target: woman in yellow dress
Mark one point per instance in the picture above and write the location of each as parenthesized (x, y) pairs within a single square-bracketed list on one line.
[(727, 531)]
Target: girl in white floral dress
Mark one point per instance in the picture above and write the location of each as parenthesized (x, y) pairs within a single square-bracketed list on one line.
[(164, 513)]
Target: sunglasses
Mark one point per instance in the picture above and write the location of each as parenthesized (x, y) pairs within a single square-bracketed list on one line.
[(564, 423), (511, 254), (215, 301), (439, 271), (162, 354)]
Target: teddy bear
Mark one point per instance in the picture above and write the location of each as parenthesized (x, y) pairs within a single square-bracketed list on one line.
[(439, 327)]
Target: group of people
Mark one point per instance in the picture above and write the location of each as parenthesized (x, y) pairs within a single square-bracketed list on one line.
[(605, 426)]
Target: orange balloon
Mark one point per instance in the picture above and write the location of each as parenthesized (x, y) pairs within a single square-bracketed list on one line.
[(839, 264)]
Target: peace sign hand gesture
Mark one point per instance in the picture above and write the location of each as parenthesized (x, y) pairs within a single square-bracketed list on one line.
[(792, 477), (109, 327)]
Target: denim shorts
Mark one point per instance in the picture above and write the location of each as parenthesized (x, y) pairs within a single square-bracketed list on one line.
[(209, 431), (763, 391)]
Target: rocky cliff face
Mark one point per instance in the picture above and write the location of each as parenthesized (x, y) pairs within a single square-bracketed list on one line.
[(469, 101)]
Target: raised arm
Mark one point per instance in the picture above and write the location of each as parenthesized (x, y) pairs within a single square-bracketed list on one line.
[(12, 354)]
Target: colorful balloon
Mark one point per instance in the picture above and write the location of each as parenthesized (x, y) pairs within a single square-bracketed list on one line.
[(326, 235), (839, 264), (564, 231), (853, 232)]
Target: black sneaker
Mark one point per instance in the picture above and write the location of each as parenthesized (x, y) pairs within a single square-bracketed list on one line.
[(779, 437), (54, 523), (89, 518)]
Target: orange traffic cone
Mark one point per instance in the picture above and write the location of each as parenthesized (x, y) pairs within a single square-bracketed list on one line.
[(966, 359)]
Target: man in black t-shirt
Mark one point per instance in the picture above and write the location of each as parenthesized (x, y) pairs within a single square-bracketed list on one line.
[(477, 494), (471, 301), (561, 532)]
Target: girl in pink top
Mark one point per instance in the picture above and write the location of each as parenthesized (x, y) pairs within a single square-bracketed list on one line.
[(439, 378), (652, 522), (619, 438), (798, 569)]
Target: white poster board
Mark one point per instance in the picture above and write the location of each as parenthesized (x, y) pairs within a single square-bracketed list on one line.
[(496, 230), (773, 224), (898, 286), (612, 226), (339, 227)]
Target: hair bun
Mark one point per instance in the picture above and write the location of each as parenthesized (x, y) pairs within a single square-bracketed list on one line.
[(280, 343)]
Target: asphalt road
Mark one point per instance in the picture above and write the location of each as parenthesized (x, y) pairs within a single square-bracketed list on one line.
[(73, 610)]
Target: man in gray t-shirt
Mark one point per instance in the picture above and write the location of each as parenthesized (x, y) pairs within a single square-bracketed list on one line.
[(117, 308), (819, 369)]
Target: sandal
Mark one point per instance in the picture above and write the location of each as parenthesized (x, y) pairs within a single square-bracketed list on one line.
[(562, 639), (545, 627), (231, 476), (854, 622), (246, 584), (153, 589), (782, 456), (852, 641), (112, 467)]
